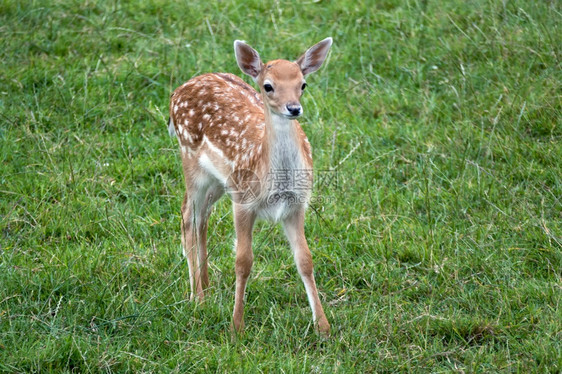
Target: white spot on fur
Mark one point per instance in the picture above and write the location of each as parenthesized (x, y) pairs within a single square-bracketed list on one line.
[(206, 163), (217, 150)]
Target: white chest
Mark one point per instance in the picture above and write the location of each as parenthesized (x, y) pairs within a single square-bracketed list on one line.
[(289, 183)]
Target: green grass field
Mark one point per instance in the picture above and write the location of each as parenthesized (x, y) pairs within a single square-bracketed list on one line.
[(439, 249)]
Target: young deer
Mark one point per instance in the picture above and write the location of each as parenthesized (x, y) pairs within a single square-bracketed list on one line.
[(236, 140)]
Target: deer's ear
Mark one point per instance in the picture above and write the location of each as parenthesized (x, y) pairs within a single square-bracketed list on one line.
[(313, 58), (248, 59)]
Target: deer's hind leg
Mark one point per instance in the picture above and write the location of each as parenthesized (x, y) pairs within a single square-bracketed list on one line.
[(212, 194), (196, 208), (189, 244)]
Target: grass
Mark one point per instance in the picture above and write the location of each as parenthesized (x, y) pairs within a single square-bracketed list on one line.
[(439, 249)]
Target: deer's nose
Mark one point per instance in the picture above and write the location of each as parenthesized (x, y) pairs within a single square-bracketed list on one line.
[(294, 109)]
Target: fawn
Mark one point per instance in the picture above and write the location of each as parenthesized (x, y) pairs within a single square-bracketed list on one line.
[(236, 140)]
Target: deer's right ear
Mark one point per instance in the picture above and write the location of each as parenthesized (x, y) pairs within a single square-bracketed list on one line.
[(314, 57), (248, 59)]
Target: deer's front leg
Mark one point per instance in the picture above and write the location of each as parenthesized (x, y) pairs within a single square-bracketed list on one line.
[(243, 222), (294, 229)]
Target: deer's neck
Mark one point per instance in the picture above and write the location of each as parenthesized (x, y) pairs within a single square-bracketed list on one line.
[(283, 144)]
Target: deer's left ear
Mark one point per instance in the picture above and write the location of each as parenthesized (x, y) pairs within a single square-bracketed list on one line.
[(248, 59), (313, 58)]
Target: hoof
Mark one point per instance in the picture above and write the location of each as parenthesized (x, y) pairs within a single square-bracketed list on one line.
[(236, 331), (199, 297), (323, 328)]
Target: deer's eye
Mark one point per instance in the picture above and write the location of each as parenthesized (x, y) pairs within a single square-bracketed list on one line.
[(303, 86), (268, 87)]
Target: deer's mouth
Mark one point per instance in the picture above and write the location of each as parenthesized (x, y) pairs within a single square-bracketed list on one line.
[(290, 116)]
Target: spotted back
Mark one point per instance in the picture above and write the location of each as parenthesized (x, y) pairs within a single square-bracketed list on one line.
[(223, 111)]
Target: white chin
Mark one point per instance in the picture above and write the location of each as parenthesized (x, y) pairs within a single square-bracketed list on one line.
[(290, 116)]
